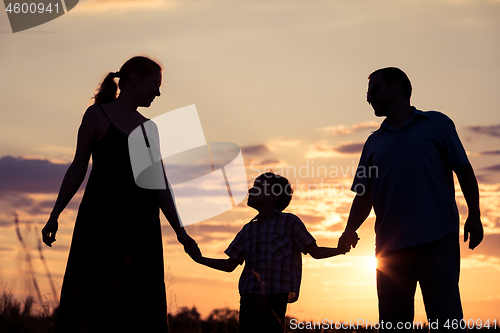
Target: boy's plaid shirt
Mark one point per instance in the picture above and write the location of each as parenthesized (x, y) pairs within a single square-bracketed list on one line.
[(271, 250)]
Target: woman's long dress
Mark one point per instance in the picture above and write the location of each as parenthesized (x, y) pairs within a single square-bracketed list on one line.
[(114, 280)]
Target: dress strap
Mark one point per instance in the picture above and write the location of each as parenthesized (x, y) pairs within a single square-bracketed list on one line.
[(145, 136), (99, 105)]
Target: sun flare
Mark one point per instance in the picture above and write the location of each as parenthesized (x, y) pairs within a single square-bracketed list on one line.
[(372, 263)]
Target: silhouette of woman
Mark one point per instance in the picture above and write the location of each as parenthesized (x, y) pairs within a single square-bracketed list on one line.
[(114, 280)]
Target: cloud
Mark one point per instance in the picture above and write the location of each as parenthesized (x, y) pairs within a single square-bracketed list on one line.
[(486, 179), (494, 168), (311, 219), (4, 223), (492, 130), (225, 228), (20, 201), (323, 150), (343, 130), (45, 207), (181, 173), (255, 149), (489, 152), (255, 167), (259, 158), (209, 233), (489, 246), (476, 261), (349, 148), (285, 143), (21, 174)]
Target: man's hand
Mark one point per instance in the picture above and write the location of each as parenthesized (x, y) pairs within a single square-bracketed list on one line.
[(474, 227), (348, 239), (49, 231), (190, 246)]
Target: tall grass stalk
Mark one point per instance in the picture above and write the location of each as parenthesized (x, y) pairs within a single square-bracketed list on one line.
[(30, 265)]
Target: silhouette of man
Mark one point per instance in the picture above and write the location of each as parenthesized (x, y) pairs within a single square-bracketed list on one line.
[(405, 173)]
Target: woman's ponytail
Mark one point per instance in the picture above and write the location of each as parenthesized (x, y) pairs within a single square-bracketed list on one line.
[(106, 92)]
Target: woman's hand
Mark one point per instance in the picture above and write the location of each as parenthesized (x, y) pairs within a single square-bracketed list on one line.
[(49, 231), (190, 246)]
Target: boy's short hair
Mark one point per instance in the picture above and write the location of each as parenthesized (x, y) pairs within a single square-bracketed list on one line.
[(279, 186)]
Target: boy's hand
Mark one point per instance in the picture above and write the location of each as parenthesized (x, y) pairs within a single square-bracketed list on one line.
[(342, 250), (195, 253), (193, 250)]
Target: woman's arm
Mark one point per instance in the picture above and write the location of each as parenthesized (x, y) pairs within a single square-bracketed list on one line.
[(74, 175), (167, 206), (167, 201)]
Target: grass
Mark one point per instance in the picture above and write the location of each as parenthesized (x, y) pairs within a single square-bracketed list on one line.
[(20, 317), (17, 317)]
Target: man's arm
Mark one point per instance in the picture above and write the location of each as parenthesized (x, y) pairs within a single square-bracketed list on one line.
[(225, 265), (360, 209), (470, 189)]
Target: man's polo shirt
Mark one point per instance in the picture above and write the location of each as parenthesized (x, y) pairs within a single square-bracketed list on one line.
[(410, 179), (271, 250)]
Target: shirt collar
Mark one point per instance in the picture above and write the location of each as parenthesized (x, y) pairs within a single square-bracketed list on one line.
[(416, 112), (271, 215)]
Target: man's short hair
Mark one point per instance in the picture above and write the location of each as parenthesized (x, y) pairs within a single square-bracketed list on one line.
[(392, 74), (279, 186)]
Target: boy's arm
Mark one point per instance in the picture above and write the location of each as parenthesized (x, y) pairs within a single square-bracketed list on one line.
[(226, 265), (322, 252)]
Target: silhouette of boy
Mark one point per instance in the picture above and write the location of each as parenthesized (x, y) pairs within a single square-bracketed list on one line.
[(270, 245)]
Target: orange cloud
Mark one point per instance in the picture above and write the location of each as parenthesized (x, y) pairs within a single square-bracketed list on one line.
[(343, 130), (322, 150)]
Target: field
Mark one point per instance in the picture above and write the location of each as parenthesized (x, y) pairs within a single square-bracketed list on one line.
[(19, 317)]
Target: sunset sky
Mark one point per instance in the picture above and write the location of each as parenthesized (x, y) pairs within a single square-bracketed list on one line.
[(285, 80)]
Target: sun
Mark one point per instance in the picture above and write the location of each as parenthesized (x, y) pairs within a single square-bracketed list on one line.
[(372, 263)]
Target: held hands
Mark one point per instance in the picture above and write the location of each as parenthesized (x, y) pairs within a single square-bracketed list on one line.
[(49, 231), (190, 246), (348, 239), (474, 227), (343, 250)]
